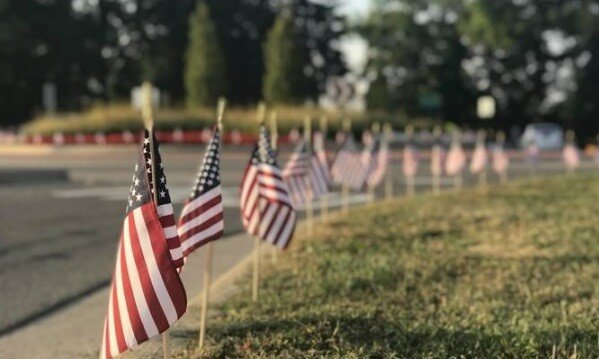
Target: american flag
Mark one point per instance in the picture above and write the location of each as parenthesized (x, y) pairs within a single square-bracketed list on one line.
[(437, 158), (479, 159), (532, 153), (410, 161), (571, 156), (146, 296), (501, 160), (266, 208), (305, 176), (202, 216), (321, 156), (456, 160), (377, 158), (349, 167)]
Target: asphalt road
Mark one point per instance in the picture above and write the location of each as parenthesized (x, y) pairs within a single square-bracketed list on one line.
[(58, 239)]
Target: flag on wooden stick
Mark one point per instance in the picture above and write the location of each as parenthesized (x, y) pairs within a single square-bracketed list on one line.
[(377, 158), (304, 176), (501, 160), (456, 160), (147, 295), (479, 158), (349, 168), (571, 156), (202, 216), (266, 208)]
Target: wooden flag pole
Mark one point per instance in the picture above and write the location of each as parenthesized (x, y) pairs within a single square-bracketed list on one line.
[(274, 137), (376, 130), (207, 278), (310, 199), (436, 151), (387, 132), (148, 118), (344, 186), (324, 199), (257, 241), (409, 179)]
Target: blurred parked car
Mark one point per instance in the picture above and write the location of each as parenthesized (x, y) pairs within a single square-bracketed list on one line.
[(546, 136)]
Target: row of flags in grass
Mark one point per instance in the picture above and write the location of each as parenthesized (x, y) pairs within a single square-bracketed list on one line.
[(147, 295)]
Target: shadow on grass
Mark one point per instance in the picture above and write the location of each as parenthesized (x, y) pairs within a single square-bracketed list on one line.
[(330, 335)]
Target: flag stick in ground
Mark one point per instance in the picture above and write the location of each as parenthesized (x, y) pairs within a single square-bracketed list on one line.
[(387, 132), (436, 156), (148, 119), (324, 199), (344, 186), (274, 137), (409, 179), (207, 277), (310, 199), (257, 241), (376, 130)]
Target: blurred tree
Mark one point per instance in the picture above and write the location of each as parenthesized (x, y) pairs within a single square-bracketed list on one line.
[(285, 57), (415, 56), (204, 69)]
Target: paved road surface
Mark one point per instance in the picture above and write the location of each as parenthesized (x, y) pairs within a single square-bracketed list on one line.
[(58, 239)]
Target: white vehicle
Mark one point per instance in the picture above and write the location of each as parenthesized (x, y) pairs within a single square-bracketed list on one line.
[(546, 136)]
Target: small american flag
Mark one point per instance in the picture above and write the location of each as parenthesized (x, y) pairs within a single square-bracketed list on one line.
[(305, 176), (377, 158), (501, 160), (410, 161), (349, 167), (266, 208), (532, 153), (456, 160), (479, 159), (571, 156), (202, 216), (146, 296)]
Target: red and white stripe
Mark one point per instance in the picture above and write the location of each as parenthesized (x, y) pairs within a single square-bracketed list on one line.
[(266, 208), (350, 167), (479, 159), (456, 160), (571, 156), (501, 160), (147, 295), (410, 161), (201, 220), (167, 219)]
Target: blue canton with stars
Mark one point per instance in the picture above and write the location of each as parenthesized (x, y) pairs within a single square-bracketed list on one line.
[(141, 191), (208, 176), (263, 153)]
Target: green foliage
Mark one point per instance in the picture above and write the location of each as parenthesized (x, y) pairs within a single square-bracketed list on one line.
[(416, 54), (204, 69), (284, 78), (507, 272)]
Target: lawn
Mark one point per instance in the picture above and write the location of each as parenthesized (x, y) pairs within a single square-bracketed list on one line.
[(507, 272)]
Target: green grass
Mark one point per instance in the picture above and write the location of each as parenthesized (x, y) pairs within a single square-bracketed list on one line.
[(119, 117), (511, 272)]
